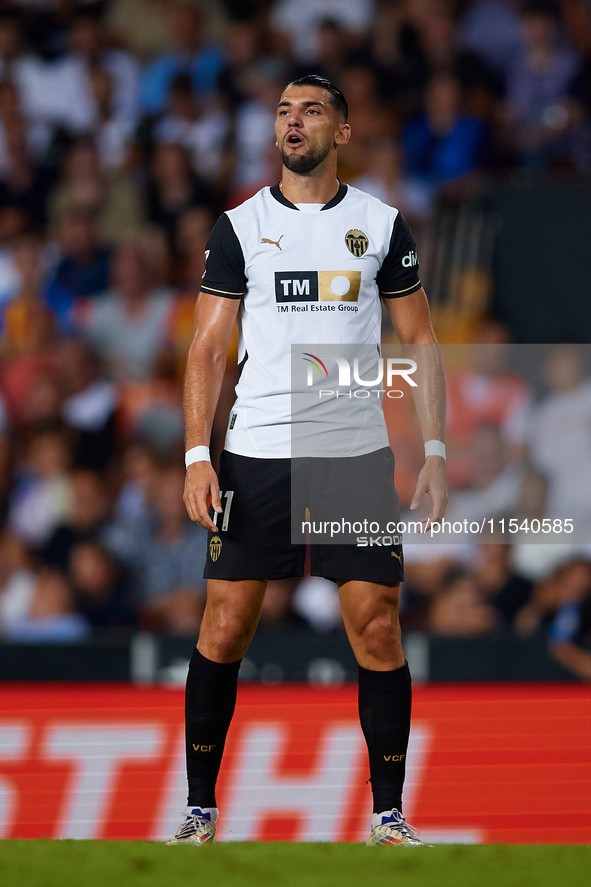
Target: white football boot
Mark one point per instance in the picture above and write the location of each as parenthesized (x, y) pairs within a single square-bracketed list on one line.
[(390, 827), (197, 828)]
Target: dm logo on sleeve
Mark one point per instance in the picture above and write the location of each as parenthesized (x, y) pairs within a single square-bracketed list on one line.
[(317, 286)]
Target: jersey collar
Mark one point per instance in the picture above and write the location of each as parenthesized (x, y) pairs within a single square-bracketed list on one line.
[(340, 195)]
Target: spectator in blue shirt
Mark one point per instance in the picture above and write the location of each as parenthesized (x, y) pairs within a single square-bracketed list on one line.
[(541, 108), (166, 557), (84, 266), (569, 635), (443, 145), (190, 56), (52, 617)]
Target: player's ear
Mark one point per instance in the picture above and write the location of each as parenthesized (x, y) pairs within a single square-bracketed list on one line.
[(343, 134)]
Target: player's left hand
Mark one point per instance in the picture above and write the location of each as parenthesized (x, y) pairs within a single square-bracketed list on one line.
[(432, 480)]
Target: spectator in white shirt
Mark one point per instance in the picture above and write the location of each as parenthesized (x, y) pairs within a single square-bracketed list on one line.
[(559, 437), (128, 325), (113, 132), (41, 499), (88, 48), (300, 21)]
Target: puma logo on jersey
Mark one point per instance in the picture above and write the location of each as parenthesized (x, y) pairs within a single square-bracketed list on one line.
[(399, 556), (410, 259), (274, 242)]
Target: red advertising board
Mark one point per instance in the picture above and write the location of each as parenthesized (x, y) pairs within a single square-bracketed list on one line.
[(487, 763)]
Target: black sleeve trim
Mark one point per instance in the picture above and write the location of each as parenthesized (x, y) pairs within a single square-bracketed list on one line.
[(224, 264), (399, 274), (216, 291), (405, 292)]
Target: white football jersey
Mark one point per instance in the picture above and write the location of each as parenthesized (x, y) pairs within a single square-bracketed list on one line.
[(304, 277)]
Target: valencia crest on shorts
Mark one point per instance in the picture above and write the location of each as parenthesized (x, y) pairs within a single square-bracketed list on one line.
[(215, 548)]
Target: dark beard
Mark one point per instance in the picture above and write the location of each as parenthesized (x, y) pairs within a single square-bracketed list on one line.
[(304, 163)]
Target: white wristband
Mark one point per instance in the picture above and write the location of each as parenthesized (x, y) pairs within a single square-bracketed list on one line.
[(434, 448), (197, 454)]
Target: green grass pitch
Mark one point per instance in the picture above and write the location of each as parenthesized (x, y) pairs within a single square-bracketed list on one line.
[(141, 864)]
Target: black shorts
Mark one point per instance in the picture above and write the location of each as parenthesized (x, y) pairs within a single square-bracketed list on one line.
[(255, 539)]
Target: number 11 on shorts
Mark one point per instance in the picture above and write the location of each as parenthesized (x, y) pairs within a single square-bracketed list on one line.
[(228, 496)]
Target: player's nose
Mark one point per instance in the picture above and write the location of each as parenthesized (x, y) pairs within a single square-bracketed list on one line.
[(294, 118)]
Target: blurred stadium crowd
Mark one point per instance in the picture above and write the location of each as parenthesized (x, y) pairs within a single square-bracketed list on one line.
[(126, 127)]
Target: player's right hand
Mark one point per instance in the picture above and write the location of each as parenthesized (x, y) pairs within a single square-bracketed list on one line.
[(202, 490)]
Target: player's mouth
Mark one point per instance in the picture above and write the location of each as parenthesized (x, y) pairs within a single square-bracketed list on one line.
[(294, 140)]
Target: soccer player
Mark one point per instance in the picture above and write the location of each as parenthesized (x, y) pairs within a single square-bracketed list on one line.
[(275, 251)]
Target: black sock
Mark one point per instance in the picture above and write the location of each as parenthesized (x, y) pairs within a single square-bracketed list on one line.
[(384, 712), (209, 705)]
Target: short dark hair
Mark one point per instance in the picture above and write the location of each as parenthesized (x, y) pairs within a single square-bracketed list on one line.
[(338, 100)]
